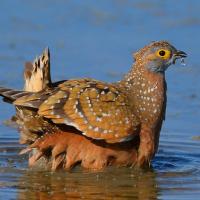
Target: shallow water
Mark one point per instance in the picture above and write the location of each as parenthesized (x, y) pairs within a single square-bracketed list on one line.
[(96, 39)]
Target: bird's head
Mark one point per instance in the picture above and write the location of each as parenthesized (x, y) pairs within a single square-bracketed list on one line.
[(158, 56)]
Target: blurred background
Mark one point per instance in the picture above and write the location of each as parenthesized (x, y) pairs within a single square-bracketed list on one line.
[(96, 39)]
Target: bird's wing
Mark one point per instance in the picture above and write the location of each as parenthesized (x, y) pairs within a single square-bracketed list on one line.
[(99, 110)]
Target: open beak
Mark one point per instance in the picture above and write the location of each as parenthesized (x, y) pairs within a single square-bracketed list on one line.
[(179, 54)]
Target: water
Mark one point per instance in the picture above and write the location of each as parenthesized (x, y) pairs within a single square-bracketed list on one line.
[(96, 39)]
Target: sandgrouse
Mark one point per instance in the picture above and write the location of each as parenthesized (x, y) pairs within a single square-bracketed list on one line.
[(93, 122)]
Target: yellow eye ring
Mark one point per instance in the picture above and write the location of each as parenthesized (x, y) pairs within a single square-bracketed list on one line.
[(164, 54)]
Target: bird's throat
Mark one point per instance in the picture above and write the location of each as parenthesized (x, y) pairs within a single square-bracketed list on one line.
[(147, 94)]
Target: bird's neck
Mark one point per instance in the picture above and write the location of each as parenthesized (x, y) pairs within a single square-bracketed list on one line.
[(146, 91)]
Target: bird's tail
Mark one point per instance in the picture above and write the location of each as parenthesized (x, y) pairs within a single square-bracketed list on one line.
[(37, 74), (11, 95), (36, 77)]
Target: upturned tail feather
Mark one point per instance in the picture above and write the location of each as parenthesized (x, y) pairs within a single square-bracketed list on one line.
[(36, 76)]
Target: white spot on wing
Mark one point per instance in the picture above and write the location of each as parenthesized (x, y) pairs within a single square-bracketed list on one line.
[(105, 131), (96, 129)]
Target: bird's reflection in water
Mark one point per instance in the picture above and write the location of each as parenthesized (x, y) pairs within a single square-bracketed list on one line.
[(113, 183)]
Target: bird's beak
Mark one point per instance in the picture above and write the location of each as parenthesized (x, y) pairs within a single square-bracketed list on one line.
[(179, 54)]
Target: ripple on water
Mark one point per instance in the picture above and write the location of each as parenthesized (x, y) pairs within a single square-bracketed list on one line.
[(174, 170), (177, 168)]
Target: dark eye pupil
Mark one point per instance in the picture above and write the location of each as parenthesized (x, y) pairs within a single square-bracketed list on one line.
[(161, 53)]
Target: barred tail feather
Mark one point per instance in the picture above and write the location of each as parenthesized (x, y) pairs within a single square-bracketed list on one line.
[(11, 95), (37, 74)]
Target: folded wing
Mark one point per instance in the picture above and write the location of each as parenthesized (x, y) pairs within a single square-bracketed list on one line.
[(99, 110)]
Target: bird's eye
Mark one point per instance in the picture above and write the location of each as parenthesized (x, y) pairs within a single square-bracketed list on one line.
[(165, 54), (161, 52)]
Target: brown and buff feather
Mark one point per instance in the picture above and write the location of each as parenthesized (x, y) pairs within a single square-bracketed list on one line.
[(92, 122)]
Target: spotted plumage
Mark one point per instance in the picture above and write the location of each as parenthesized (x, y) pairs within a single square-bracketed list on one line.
[(114, 112), (99, 110)]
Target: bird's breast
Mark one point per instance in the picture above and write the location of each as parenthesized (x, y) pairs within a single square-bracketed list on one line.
[(148, 100)]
